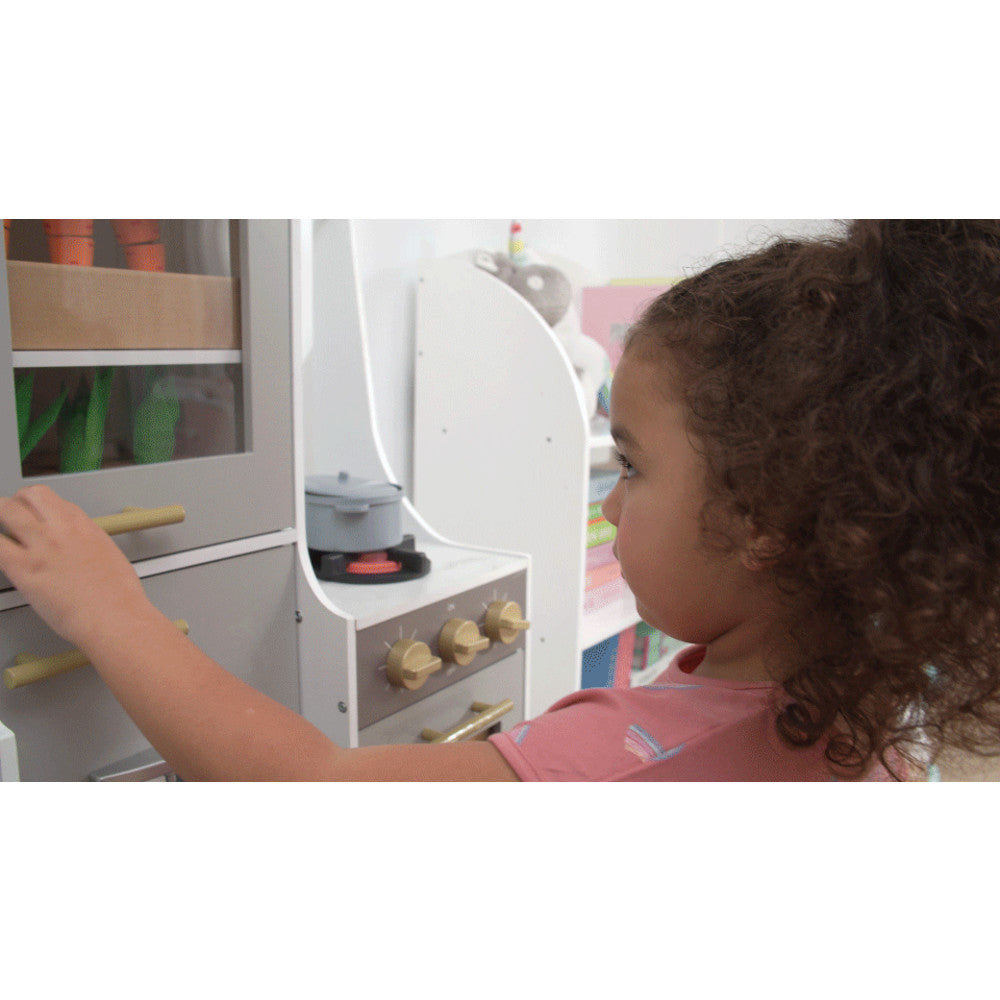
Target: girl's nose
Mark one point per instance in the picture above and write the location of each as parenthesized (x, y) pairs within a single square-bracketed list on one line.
[(611, 506)]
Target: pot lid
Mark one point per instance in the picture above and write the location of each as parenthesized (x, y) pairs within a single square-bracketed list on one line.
[(347, 487)]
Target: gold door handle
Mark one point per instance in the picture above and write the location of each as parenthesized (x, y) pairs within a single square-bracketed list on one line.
[(29, 668), (488, 714), (138, 518)]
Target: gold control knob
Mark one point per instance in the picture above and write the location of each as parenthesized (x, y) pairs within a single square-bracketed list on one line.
[(410, 663), (504, 621), (460, 640)]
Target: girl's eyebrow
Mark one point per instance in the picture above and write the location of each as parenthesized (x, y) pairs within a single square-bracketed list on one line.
[(622, 436)]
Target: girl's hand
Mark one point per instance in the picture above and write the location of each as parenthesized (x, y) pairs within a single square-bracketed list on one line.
[(68, 568)]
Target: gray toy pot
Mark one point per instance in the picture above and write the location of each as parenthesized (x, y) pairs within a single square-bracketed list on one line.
[(345, 514)]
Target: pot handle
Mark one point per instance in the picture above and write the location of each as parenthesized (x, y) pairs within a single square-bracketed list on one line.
[(350, 506)]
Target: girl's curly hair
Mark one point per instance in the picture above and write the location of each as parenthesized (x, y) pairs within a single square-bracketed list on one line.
[(845, 391)]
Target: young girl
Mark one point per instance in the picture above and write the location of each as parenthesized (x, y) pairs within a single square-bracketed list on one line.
[(810, 496)]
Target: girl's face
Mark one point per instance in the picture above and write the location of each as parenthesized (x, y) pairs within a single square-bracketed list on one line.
[(691, 592)]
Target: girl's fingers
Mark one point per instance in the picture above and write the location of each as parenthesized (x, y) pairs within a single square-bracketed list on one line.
[(8, 550), (16, 519), (16, 516), (24, 515), (40, 500)]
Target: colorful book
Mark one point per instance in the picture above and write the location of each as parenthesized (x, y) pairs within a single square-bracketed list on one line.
[(594, 510), (600, 555), (648, 641), (607, 312), (623, 660), (601, 575), (598, 668), (600, 532), (599, 598)]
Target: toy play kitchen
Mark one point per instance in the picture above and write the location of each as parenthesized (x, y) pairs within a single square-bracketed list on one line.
[(230, 444), (432, 633)]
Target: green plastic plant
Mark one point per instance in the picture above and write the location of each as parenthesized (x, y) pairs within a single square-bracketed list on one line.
[(153, 434), (81, 424), (30, 432)]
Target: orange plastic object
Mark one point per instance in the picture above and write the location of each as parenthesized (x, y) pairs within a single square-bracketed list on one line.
[(129, 231), (77, 250), (68, 227), (370, 563), (371, 568), (146, 257)]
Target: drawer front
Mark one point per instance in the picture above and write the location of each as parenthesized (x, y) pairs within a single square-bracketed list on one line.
[(241, 611), (452, 706)]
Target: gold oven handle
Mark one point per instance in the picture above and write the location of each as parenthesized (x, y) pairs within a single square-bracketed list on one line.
[(29, 668), (138, 518), (488, 714)]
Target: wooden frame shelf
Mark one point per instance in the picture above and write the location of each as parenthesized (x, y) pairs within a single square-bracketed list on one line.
[(57, 307)]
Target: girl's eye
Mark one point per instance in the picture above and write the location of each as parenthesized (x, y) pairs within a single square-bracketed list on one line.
[(627, 470)]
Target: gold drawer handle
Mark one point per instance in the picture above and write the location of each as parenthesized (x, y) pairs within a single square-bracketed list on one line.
[(29, 668), (488, 714), (137, 518)]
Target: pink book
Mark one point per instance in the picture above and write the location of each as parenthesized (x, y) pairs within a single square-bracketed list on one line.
[(598, 577), (600, 555), (600, 597), (607, 311), (623, 660)]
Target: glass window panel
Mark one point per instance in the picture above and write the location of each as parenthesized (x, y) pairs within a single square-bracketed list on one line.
[(82, 419)]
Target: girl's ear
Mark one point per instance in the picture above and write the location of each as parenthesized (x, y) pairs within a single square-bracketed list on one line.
[(761, 550)]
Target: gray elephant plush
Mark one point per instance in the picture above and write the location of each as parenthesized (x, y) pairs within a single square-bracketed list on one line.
[(545, 287), (550, 293)]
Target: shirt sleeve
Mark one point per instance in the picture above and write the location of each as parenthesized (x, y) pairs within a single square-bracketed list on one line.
[(593, 735)]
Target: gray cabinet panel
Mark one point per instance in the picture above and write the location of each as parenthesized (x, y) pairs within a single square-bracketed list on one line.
[(241, 611), (10, 462)]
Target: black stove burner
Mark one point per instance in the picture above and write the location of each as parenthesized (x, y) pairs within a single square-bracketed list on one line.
[(333, 566)]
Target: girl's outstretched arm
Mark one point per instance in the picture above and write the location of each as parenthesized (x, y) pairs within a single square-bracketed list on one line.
[(207, 723)]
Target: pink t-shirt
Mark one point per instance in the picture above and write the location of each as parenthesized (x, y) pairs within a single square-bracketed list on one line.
[(682, 727)]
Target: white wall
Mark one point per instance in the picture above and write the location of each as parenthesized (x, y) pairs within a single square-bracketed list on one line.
[(389, 250)]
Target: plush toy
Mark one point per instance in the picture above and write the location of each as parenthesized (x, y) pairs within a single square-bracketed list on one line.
[(550, 292)]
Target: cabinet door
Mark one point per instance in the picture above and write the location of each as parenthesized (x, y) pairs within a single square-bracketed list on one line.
[(241, 611), (172, 386)]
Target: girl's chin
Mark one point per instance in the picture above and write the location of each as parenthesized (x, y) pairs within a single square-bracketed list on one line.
[(646, 614)]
